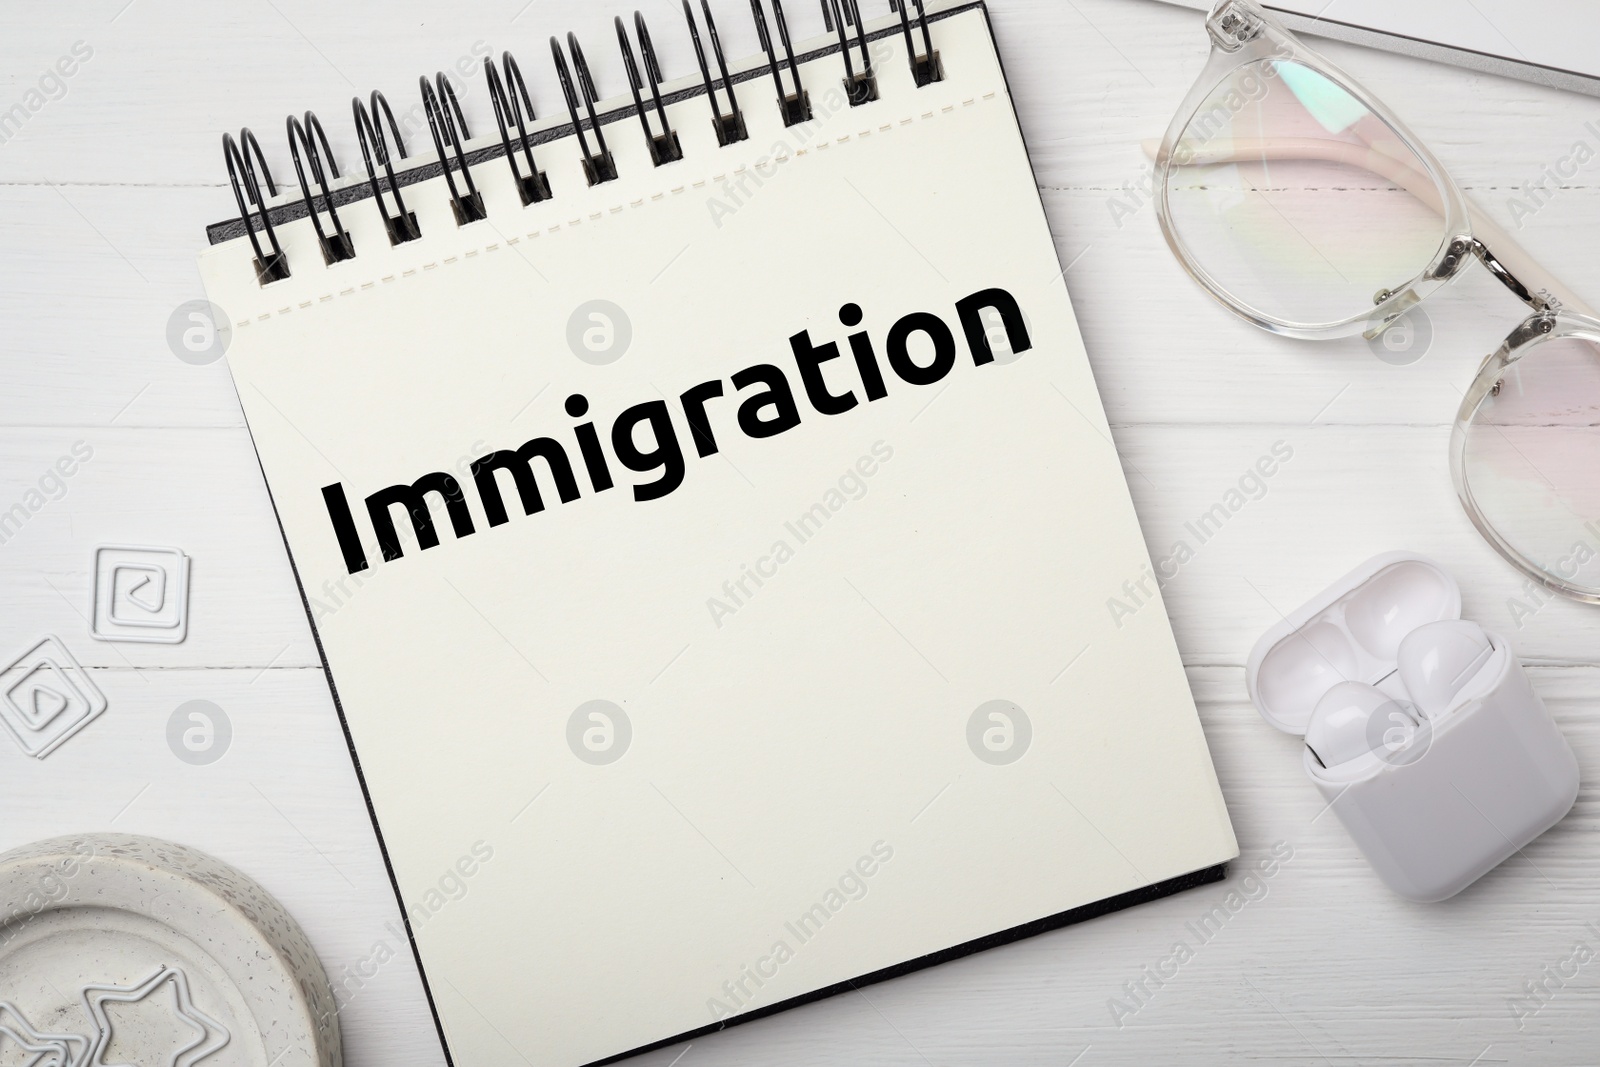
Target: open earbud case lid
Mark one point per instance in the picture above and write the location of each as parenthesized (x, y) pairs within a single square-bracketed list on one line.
[(1350, 632)]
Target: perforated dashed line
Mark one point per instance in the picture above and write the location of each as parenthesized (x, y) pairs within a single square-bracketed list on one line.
[(617, 209)]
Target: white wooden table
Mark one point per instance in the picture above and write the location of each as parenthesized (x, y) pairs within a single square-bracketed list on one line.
[(105, 188)]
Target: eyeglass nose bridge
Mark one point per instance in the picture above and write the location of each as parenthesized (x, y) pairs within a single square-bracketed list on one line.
[(1540, 301), (1455, 258)]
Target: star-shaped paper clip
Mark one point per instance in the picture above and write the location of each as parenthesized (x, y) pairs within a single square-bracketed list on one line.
[(211, 1035), (42, 1050)]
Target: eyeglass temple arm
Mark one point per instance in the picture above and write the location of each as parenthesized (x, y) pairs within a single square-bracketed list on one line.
[(1507, 251)]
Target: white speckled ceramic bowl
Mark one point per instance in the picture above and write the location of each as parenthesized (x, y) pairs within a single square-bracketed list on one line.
[(118, 949)]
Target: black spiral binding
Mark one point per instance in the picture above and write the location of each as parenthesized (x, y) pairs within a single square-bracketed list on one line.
[(513, 106), (796, 106), (859, 88), (449, 126), (598, 166), (511, 100), (273, 267), (337, 246), (730, 127), (925, 67), (665, 148), (402, 225)]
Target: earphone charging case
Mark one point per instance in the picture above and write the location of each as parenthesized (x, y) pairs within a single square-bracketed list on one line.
[(1456, 796)]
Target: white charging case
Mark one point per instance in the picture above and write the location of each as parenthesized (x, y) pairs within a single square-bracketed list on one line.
[(1480, 782)]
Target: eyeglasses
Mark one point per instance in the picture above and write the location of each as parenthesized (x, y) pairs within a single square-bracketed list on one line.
[(1242, 182)]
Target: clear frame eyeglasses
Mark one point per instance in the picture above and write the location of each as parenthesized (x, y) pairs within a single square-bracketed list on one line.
[(1241, 181)]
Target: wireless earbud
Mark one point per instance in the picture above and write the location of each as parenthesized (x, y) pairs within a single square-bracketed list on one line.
[(1353, 719), (1445, 663)]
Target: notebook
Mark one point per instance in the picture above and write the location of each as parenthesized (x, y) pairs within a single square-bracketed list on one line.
[(721, 560)]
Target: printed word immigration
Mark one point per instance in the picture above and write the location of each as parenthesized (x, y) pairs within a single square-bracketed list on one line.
[(920, 349)]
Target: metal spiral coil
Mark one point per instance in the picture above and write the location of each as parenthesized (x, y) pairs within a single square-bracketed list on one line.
[(382, 141), (270, 266), (336, 246), (402, 225), (598, 166), (796, 106), (449, 126), (664, 148), (513, 104)]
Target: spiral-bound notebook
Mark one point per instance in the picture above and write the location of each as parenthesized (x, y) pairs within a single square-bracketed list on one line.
[(713, 534)]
